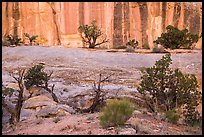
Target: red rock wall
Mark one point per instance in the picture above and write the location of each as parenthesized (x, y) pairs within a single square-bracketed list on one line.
[(120, 21)]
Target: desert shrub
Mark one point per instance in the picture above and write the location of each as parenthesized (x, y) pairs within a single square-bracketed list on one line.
[(13, 40), (41, 41), (116, 112), (172, 116), (192, 117), (35, 76), (31, 38), (5, 42), (169, 88), (132, 43), (90, 34), (176, 39), (145, 46), (6, 91)]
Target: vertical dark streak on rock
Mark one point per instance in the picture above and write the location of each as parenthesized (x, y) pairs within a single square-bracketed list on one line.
[(126, 22), (186, 16), (117, 24), (163, 16), (195, 23), (39, 17), (7, 20), (144, 22), (81, 13), (177, 12), (16, 17), (22, 18), (52, 6)]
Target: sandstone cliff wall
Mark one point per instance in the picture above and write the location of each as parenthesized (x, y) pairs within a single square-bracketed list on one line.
[(120, 21)]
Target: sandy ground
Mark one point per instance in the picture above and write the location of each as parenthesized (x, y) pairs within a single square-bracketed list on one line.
[(77, 66)]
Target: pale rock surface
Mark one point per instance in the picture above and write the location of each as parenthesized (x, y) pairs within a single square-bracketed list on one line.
[(38, 101)]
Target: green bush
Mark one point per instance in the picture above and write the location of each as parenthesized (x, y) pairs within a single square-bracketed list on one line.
[(116, 112), (13, 40), (31, 38), (176, 39), (35, 76), (192, 117), (172, 116), (145, 46), (132, 43), (169, 88), (6, 91), (90, 35)]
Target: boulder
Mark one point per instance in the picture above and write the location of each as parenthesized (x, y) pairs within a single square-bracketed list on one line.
[(27, 114), (38, 101), (36, 91), (66, 108), (81, 101), (42, 106), (52, 111)]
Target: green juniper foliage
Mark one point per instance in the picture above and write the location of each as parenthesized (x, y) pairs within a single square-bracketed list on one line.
[(31, 38), (13, 40), (170, 88), (145, 46), (35, 76), (172, 116), (133, 43), (176, 39), (90, 34)]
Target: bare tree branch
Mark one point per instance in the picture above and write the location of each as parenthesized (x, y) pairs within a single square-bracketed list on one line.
[(20, 100), (99, 96), (103, 41)]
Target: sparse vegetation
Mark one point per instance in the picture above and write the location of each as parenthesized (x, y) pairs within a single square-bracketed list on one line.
[(145, 46), (192, 117), (172, 116), (132, 43), (116, 112), (31, 38), (36, 76), (176, 39), (169, 89), (98, 98), (16, 110), (12, 40), (91, 34), (41, 41)]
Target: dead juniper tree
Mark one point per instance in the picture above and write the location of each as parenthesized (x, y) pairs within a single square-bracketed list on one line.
[(99, 96), (14, 111)]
